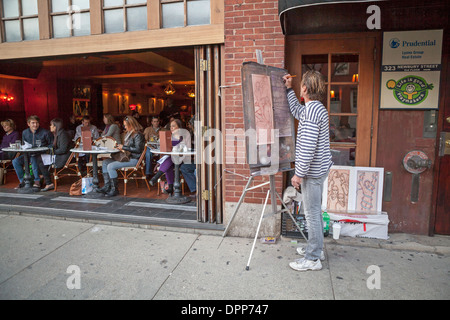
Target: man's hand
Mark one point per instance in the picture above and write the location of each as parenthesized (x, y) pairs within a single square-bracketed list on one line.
[(296, 181), (287, 79)]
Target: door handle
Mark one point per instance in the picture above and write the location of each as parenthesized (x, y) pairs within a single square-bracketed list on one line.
[(448, 120)]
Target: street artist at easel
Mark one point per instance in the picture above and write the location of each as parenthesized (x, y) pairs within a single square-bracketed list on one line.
[(312, 161)]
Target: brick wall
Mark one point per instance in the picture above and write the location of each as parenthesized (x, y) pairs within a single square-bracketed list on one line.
[(249, 25)]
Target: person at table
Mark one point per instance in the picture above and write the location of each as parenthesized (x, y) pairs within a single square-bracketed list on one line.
[(134, 143), (189, 173), (60, 149), (72, 127), (166, 167), (111, 128), (32, 135), (151, 134), (82, 158), (11, 136)]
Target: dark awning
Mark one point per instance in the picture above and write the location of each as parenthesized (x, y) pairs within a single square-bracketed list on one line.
[(286, 5)]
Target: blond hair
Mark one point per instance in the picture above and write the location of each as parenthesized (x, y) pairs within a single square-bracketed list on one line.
[(315, 85), (9, 122), (133, 123)]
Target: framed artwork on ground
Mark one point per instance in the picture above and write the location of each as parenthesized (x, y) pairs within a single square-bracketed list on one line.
[(353, 190)]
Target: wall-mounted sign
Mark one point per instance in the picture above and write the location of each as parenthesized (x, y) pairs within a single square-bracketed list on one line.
[(411, 69)]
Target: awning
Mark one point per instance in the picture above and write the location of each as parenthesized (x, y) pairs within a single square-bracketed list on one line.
[(286, 5)]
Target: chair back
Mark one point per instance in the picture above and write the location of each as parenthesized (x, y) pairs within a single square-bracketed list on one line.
[(142, 157), (108, 142), (72, 154)]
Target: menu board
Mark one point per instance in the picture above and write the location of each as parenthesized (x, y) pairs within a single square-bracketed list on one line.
[(269, 125)]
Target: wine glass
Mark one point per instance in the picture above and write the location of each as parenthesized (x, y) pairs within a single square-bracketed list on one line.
[(38, 143)]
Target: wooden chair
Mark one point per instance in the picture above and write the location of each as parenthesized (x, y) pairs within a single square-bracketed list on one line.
[(182, 183), (108, 142), (7, 166), (134, 173), (70, 169)]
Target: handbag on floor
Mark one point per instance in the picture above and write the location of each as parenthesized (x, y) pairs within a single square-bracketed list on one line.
[(75, 188)]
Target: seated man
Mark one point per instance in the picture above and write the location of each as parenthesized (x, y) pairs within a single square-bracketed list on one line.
[(151, 134), (31, 135), (85, 122)]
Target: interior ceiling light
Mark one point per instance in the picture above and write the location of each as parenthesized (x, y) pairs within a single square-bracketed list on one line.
[(169, 90), (6, 97), (191, 93)]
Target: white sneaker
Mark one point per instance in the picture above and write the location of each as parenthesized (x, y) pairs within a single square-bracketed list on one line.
[(305, 265), (302, 251)]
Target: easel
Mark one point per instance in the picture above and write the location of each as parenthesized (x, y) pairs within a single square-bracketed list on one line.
[(274, 195)]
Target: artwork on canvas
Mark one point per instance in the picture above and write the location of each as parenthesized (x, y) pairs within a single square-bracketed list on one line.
[(338, 189), (269, 125), (262, 97), (353, 190), (367, 191)]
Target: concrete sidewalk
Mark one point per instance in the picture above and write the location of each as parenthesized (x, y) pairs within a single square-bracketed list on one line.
[(43, 258)]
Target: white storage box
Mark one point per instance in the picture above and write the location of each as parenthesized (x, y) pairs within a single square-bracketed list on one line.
[(365, 226)]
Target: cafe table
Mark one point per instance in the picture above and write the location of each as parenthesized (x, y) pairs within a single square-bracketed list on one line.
[(28, 187), (94, 152), (177, 197)]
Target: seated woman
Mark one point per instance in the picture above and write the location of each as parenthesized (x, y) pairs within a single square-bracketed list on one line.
[(134, 143), (167, 166), (111, 128), (11, 136), (60, 148)]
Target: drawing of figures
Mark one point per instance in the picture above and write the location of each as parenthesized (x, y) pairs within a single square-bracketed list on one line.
[(338, 190), (262, 99), (366, 191)]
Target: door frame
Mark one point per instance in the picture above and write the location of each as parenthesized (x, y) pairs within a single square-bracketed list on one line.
[(209, 114), (372, 62), (437, 215)]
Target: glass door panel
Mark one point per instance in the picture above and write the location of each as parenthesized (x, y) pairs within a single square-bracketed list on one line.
[(315, 62), (347, 65)]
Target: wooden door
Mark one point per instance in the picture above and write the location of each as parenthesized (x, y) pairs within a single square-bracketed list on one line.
[(442, 218), (208, 124), (348, 63)]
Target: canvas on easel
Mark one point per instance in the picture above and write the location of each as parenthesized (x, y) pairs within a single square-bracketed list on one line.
[(269, 125)]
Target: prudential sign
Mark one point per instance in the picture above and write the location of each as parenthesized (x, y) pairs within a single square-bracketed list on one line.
[(411, 69)]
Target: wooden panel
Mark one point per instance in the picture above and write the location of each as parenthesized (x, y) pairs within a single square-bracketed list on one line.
[(440, 222), (96, 15), (173, 37), (153, 14), (44, 20), (217, 11)]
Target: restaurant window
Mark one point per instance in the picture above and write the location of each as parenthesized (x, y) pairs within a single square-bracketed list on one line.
[(124, 15), (182, 13), (70, 18), (20, 20)]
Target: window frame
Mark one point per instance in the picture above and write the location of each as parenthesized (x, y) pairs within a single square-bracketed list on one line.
[(124, 7), (185, 24), (69, 13), (20, 18)]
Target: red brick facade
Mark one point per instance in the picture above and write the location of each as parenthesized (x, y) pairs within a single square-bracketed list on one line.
[(250, 25)]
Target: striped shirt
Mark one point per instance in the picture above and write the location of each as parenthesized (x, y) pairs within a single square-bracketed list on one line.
[(312, 149)]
